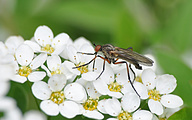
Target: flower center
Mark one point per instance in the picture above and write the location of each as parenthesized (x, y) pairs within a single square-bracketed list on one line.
[(57, 71), (124, 116), (48, 48), (114, 87), (83, 69), (154, 94), (138, 79), (25, 71), (57, 97), (90, 104)]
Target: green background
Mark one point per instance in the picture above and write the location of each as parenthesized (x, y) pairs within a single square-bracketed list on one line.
[(163, 27)]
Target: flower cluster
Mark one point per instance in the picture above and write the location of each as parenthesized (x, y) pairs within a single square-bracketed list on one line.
[(51, 64)]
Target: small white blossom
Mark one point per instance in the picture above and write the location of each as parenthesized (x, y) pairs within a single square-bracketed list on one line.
[(125, 109), (159, 89), (55, 100), (26, 65), (9, 108)]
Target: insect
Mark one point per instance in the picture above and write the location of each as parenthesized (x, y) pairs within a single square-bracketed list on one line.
[(112, 54)]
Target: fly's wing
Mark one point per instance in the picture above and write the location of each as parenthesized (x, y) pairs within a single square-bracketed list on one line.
[(132, 57)]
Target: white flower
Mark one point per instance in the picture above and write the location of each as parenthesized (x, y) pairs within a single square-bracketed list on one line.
[(78, 59), (158, 91), (13, 42), (9, 108), (129, 103), (47, 43), (6, 65), (27, 65), (108, 85), (54, 66), (55, 100), (90, 110), (34, 115)]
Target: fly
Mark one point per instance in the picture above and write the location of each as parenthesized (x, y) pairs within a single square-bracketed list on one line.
[(112, 54)]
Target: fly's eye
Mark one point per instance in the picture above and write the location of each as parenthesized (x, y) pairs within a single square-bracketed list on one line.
[(97, 48)]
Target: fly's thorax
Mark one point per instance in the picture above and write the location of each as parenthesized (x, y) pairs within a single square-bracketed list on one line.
[(106, 49)]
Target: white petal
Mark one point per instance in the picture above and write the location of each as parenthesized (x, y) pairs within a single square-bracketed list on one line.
[(142, 115), (80, 42), (4, 88), (130, 102), (69, 109), (127, 88), (93, 114), (33, 45), (75, 91), (7, 71), (171, 101), (101, 106), (24, 54), (43, 35), (7, 103), (68, 69), (72, 54), (114, 94), (108, 74), (60, 40), (141, 89), (13, 42), (170, 111), (101, 86), (122, 77), (53, 62), (34, 115), (38, 61), (57, 82), (155, 107), (166, 84), (18, 78), (113, 107), (92, 92), (36, 76), (13, 114), (112, 119), (49, 107), (47, 70), (148, 78), (90, 76), (41, 90)]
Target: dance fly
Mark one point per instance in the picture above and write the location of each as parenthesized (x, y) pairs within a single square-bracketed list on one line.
[(112, 54)]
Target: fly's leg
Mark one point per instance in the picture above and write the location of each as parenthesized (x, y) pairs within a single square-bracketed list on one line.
[(128, 75), (133, 72), (105, 59)]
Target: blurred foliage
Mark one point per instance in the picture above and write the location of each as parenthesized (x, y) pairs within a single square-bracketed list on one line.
[(161, 26)]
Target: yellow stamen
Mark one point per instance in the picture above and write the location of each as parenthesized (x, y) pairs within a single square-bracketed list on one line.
[(154, 94), (90, 104), (114, 87), (48, 48), (57, 97), (83, 69), (124, 116), (24, 71)]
